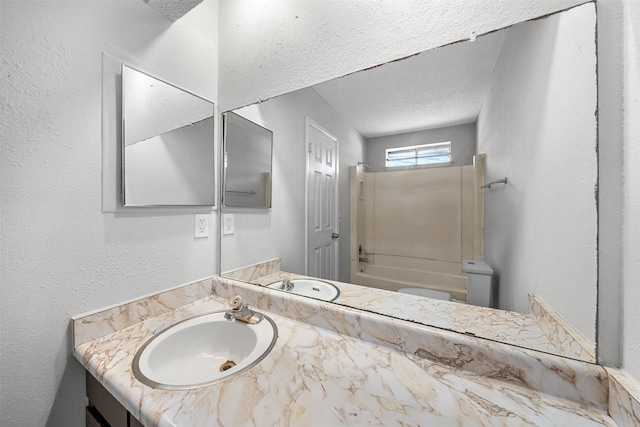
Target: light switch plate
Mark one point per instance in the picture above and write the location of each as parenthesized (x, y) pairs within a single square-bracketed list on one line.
[(201, 226), (227, 224)]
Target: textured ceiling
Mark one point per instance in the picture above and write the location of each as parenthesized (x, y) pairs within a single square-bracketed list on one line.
[(440, 87), (173, 9)]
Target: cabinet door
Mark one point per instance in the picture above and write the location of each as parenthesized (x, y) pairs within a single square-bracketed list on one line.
[(133, 422), (111, 410), (93, 420)]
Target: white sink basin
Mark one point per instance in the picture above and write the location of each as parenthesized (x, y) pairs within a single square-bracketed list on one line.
[(203, 350), (308, 288)]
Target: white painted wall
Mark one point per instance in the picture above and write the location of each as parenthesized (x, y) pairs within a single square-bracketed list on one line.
[(631, 230), (60, 255), (280, 232), (537, 127), (462, 137)]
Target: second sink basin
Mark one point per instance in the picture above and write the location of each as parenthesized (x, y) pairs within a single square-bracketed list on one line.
[(309, 288), (203, 350)]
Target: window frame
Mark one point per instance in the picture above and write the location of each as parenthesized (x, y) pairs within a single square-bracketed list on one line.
[(416, 157)]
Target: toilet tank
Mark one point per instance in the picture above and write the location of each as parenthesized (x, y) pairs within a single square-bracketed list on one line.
[(481, 286)]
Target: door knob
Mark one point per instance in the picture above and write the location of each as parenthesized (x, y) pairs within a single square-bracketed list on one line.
[(334, 235)]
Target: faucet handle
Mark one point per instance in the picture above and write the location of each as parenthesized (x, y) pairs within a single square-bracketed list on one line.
[(236, 302), (287, 285)]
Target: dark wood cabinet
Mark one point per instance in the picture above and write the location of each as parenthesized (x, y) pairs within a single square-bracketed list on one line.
[(94, 419), (104, 410)]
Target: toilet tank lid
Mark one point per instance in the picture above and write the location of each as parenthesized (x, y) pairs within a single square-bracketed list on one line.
[(477, 267)]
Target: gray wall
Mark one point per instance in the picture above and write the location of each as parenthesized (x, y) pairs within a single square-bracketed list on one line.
[(631, 211), (280, 231), (538, 129), (462, 137)]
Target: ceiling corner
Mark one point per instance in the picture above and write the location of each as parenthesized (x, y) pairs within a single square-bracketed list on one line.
[(173, 9)]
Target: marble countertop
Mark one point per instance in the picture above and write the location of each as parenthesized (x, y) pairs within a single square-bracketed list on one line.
[(315, 376), (498, 325)]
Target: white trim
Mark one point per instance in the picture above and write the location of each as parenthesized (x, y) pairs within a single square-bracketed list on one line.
[(429, 166)]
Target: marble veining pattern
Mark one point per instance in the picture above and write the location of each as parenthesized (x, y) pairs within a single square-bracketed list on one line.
[(565, 378), (254, 272), (317, 377), (624, 398), (103, 322), (513, 328), (566, 339)]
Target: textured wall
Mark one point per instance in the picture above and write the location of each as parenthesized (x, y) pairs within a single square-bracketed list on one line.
[(538, 128), (631, 244), (60, 255)]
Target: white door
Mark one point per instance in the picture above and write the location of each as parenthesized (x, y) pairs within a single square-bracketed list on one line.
[(322, 203)]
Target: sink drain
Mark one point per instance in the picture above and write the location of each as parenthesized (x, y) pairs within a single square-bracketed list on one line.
[(227, 365)]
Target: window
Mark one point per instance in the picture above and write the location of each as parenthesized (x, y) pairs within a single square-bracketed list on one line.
[(417, 155)]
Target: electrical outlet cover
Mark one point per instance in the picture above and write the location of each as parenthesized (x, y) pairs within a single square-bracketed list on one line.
[(201, 226), (227, 224)]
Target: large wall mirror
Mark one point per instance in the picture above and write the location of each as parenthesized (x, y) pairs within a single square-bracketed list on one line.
[(247, 152), (167, 144), (516, 197)]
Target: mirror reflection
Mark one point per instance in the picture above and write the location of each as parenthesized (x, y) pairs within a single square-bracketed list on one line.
[(167, 150), (443, 185), (247, 163)]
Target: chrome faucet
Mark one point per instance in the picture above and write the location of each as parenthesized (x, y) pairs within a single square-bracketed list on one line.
[(287, 285), (242, 312)]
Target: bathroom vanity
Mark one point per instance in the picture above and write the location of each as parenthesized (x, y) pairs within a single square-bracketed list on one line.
[(334, 365), (103, 409)]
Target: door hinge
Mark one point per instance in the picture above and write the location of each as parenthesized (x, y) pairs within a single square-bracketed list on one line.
[(311, 147)]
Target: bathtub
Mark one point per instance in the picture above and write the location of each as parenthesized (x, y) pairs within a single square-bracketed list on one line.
[(394, 278)]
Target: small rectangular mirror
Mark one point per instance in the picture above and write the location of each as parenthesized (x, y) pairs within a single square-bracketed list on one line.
[(247, 163), (167, 144)]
